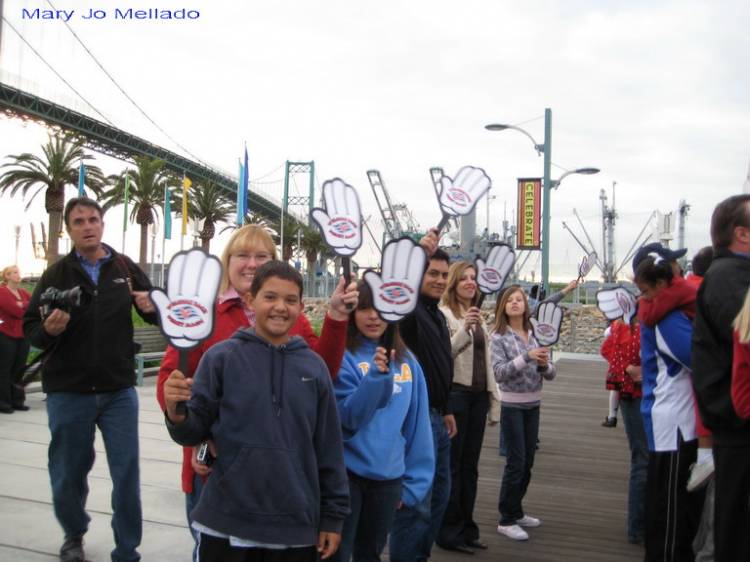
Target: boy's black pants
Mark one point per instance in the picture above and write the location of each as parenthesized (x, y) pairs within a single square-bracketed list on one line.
[(732, 520), (214, 549)]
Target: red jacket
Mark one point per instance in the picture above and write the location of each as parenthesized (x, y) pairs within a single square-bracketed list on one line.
[(741, 378), (230, 317), (680, 294), (622, 348), (10, 313)]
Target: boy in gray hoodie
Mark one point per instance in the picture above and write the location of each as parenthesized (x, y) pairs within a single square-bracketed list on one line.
[(279, 489)]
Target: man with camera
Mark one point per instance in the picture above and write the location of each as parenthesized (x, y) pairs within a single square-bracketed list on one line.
[(80, 315)]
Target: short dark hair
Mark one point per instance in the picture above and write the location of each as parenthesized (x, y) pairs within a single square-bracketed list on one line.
[(728, 215), (81, 202), (440, 255), (702, 260), (275, 268), (649, 272)]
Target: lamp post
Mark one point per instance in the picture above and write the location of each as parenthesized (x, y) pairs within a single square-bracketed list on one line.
[(548, 183)]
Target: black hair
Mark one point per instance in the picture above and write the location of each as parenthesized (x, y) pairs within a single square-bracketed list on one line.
[(649, 272), (275, 268), (353, 336), (702, 260), (728, 215), (81, 202), (440, 255)]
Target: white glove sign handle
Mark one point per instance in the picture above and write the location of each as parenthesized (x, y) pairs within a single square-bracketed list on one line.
[(396, 289), (341, 219), (547, 323), (491, 274), (186, 310), (616, 303), (459, 196)]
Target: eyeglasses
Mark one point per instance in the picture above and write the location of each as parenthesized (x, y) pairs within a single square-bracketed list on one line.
[(260, 257)]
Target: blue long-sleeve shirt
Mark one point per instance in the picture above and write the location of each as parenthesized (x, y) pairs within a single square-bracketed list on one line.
[(668, 405), (385, 421)]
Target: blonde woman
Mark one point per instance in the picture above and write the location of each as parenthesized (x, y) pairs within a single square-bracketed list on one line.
[(13, 345), (741, 362), (474, 395)]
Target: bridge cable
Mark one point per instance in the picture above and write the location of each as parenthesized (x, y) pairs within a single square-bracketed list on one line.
[(55, 71), (131, 100)]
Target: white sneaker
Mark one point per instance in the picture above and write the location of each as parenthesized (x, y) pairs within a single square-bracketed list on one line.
[(513, 532), (700, 474), (529, 521)]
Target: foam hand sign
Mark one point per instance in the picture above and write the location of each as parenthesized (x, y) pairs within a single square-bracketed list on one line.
[(587, 264), (458, 196), (547, 323), (395, 289), (341, 219), (617, 303), (186, 309), (492, 273)]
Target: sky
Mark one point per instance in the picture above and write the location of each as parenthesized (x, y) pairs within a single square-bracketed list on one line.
[(655, 94)]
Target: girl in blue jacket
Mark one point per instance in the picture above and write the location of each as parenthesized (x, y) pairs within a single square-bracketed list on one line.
[(385, 422)]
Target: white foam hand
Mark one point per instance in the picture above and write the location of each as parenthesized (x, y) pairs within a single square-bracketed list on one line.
[(186, 310), (396, 289), (341, 219), (491, 274), (547, 323), (459, 195), (616, 303), (586, 265)]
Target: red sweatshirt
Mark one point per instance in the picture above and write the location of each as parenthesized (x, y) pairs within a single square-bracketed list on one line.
[(10, 313), (620, 349), (230, 317), (741, 377), (680, 294)]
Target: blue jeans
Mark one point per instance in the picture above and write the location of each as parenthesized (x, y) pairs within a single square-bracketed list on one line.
[(415, 527), (633, 419), (520, 428), (73, 419), (373, 506), (191, 500)]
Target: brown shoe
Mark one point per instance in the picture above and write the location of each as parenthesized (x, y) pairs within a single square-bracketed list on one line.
[(609, 422), (72, 550)]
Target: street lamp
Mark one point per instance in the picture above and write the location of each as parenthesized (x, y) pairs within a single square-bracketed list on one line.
[(546, 149)]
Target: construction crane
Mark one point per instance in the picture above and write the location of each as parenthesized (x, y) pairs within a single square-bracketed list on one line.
[(397, 218)]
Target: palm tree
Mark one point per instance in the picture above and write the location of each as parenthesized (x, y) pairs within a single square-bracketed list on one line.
[(312, 243), (146, 195), (58, 168), (209, 203), (290, 237)]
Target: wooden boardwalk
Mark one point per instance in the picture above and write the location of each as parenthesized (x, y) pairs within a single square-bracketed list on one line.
[(578, 487), (579, 481)]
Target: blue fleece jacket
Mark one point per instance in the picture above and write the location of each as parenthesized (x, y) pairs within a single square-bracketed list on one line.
[(279, 477), (386, 421)]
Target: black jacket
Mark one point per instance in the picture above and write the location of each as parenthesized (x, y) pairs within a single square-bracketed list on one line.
[(720, 299), (425, 333), (95, 353)]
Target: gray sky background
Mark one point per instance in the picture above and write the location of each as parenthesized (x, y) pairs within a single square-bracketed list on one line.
[(656, 94)]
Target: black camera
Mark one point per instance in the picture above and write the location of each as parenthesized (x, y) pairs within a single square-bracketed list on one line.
[(204, 455), (55, 299)]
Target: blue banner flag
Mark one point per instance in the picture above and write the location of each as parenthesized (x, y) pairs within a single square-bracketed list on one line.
[(167, 215), (81, 180), (240, 197)]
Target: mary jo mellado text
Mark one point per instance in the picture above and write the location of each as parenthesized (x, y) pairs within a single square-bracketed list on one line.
[(93, 14)]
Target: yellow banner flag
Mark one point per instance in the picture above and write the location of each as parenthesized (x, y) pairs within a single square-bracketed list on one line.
[(186, 183)]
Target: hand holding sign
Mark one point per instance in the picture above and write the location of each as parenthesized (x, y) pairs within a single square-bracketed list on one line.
[(492, 272), (617, 303), (186, 310), (395, 289), (459, 196), (340, 220), (587, 264), (547, 323)]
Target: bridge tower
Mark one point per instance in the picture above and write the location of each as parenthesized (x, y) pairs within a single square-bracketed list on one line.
[(293, 168)]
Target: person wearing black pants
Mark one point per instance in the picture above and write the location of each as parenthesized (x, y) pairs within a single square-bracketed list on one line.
[(217, 549), (13, 345), (473, 390)]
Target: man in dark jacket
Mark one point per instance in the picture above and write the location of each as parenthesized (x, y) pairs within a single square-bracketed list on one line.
[(426, 334), (719, 300), (89, 378)]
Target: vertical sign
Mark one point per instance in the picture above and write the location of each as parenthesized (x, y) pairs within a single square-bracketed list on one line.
[(529, 213)]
